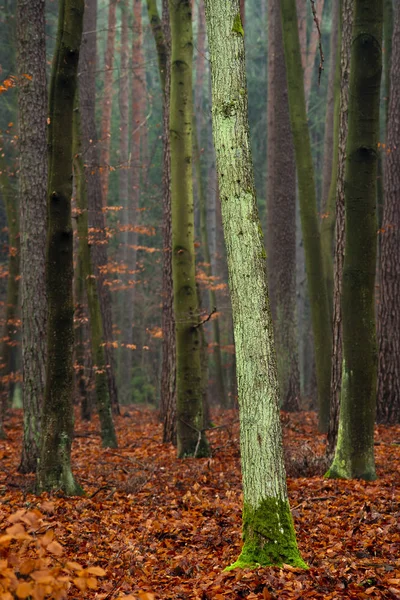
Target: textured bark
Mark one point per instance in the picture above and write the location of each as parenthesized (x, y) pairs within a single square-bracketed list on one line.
[(312, 52), (161, 32), (107, 101), (32, 104), (331, 141), (54, 467), (354, 455), (96, 219), (126, 294), (103, 404), (81, 334), (8, 347), (281, 216), (388, 400), (308, 209), (268, 532), (191, 440), (337, 354)]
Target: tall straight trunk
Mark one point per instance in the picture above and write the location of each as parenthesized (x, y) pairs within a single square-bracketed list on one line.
[(354, 455), (96, 219), (243, 11), (388, 18), (162, 38), (312, 52), (346, 27), (81, 335), (308, 209), (103, 404), (388, 400), (8, 348), (281, 216), (32, 104), (301, 6), (268, 533), (125, 359), (190, 436), (107, 100), (54, 467)]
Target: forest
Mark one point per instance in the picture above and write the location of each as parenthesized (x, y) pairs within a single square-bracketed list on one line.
[(200, 328)]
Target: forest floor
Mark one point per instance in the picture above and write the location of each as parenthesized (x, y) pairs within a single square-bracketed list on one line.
[(168, 527)]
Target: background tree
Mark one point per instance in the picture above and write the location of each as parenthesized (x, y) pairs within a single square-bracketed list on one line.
[(54, 467), (32, 106), (354, 455), (388, 399), (268, 532)]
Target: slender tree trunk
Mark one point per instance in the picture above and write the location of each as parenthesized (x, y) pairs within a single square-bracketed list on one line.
[(388, 400), (107, 100), (8, 362), (81, 334), (354, 455), (96, 220), (337, 337), (191, 440), (308, 209), (281, 213), (243, 12), (54, 467), (268, 532), (312, 51), (301, 6), (32, 103), (108, 436)]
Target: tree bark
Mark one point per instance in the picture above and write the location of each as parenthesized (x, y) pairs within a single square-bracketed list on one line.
[(54, 467), (337, 336), (32, 104), (312, 52), (268, 533), (308, 209), (354, 455), (96, 219), (190, 437), (388, 399), (281, 216)]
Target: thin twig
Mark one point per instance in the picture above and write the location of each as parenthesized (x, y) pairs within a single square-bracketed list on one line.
[(321, 53), (214, 310)]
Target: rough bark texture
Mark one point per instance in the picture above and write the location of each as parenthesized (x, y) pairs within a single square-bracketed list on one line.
[(281, 216), (103, 404), (96, 219), (388, 400), (107, 101), (191, 442), (268, 532), (54, 467), (354, 455), (32, 105), (337, 354), (308, 209)]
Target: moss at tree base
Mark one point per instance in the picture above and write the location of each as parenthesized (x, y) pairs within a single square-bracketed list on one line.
[(269, 538)]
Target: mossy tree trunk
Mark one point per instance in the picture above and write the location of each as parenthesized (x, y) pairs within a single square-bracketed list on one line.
[(281, 216), (191, 441), (54, 467), (268, 533), (32, 102), (354, 455), (346, 28), (308, 209), (388, 400), (103, 404), (162, 37)]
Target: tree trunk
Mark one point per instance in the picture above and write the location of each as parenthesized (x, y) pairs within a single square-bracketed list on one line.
[(354, 456), (107, 101), (312, 51), (281, 216), (301, 6), (96, 219), (308, 209), (103, 404), (54, 467), (32, 103), (191, 439), (346, 28), (388, 407), (268, 533)]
